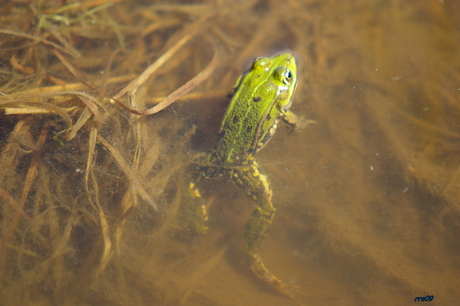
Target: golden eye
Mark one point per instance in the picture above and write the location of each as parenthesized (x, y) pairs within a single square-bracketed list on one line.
[(262, 63), (283, 75), (287, 77)]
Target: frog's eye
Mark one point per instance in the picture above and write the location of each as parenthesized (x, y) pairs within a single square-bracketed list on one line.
[(287, 77), (283, 75), (262, 63)]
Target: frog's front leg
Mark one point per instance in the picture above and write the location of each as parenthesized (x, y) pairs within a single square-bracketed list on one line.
[(295, 123), (256, 186)]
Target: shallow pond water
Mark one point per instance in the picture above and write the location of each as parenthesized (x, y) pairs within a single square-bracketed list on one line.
[(367, 197)]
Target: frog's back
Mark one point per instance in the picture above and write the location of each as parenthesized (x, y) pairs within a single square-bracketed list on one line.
[(253, 113)]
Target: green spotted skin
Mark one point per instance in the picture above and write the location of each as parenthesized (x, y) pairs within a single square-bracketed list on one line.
[(261, 97)]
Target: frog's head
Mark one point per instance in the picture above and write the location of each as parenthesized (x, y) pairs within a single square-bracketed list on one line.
[(279, 73), (284, 76)]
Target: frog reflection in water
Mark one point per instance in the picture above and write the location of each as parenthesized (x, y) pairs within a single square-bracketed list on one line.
[(261, 97)]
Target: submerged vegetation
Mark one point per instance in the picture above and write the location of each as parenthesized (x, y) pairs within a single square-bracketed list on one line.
[(92, 148)]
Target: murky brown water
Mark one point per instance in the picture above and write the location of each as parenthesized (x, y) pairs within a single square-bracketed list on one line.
[(368, 198)]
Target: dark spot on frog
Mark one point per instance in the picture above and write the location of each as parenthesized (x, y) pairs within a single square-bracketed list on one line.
[(257, 99), (235, 119), (249, 129)]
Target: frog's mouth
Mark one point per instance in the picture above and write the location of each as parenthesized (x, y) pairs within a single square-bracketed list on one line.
[(289, 103), (292, 88)]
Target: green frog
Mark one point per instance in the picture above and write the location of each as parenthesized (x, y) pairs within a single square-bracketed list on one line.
[(260, 97)]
